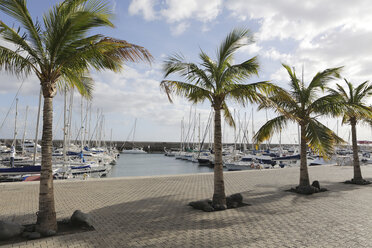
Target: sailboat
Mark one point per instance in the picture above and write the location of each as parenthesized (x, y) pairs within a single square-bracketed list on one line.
[(134, 150)]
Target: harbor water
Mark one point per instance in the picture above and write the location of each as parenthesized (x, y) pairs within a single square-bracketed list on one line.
[(153, 164)]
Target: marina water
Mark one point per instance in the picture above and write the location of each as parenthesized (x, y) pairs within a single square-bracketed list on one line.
[(152, 165)]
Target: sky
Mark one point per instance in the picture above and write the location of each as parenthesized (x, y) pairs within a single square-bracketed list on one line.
[(313, 35)]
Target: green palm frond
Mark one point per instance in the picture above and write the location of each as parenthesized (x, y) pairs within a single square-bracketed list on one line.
[(239, 72), (13, 37), (321, 139), (14, 63), (295, 83), (208, 63), (353, 102), (192, 92), (330, 105), (321, 79), (363, 90), (190, 71), (18, 10), (74, 79), (249, 93), (234, 40), (269, 128), (227, 115)]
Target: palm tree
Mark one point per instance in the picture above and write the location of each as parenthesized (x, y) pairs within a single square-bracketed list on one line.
[(217, 81), (303, 106), (59, 52), (356, 110)]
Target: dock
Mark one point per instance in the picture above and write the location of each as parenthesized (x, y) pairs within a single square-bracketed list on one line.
[(153, 211)]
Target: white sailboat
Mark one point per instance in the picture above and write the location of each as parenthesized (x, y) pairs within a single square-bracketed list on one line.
[(134, 150)]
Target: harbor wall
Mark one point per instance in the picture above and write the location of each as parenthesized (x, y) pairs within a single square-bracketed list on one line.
[(151, 146)]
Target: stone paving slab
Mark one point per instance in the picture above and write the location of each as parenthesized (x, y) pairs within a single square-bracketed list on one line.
[(153, 211)]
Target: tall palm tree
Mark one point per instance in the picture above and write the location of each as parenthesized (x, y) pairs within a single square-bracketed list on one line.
[(60, 51), (217, 81), (302, 105), (356, 110)]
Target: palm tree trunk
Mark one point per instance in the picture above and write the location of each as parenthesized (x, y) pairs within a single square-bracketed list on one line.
[(357, 171), (304, 174), (46, 217), (219, 197)]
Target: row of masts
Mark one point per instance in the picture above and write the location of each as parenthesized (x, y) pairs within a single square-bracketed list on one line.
[(87, 138), (194, 132), (193, 138)]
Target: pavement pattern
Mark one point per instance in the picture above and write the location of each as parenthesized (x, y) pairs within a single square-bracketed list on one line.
[(153, 211)]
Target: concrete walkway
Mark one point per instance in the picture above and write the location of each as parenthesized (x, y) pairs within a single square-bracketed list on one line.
[(153, 211)]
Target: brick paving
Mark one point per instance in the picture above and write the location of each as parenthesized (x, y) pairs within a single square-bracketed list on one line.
[(153, 211)]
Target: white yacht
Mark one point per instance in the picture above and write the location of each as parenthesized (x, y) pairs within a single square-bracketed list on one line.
[(29, 146), (134, 150)]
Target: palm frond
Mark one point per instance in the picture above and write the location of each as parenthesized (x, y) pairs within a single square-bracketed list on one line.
[(189, 71), (321, 139), (234, 40), (295, 83), (18, 10), (321, 79), (252, 93), (239, 72), (331, 105), (269, 128), (13, 62), (79, 80), (192, 92), (227, 115), (107, 53), (13, 37)]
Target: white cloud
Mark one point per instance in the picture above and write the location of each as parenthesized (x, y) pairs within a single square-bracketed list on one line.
[(177, 12), (144, 8), (179, 28)]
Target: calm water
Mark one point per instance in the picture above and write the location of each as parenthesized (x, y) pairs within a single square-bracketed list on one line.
[(153, 164)]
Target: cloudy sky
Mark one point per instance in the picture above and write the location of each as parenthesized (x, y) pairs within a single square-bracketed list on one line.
[(312, 34)]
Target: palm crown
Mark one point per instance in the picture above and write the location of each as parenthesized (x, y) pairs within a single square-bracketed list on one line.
[(354, 101), (217, 80), (61, 50), (303, 105)]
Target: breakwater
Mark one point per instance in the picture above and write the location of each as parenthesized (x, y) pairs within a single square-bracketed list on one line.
[(150, 146)]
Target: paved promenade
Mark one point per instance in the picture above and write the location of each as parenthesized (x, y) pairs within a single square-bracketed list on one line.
[(153, 211)]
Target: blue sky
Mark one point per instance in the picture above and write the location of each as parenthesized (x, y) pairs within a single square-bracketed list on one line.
[(317, 34)]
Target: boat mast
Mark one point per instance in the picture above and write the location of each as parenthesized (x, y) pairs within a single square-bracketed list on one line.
[(69, 129), (65, 128), (24, 131), (199, 134), (134, 131), (111, 139), (234, 131), (98, 121), (90, 118), (252, 131), (14, 143), (182, 134), (82, 126), (37, 127)]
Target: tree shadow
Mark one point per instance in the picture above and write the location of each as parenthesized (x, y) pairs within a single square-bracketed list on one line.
[(334, 190), (159, 217)]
